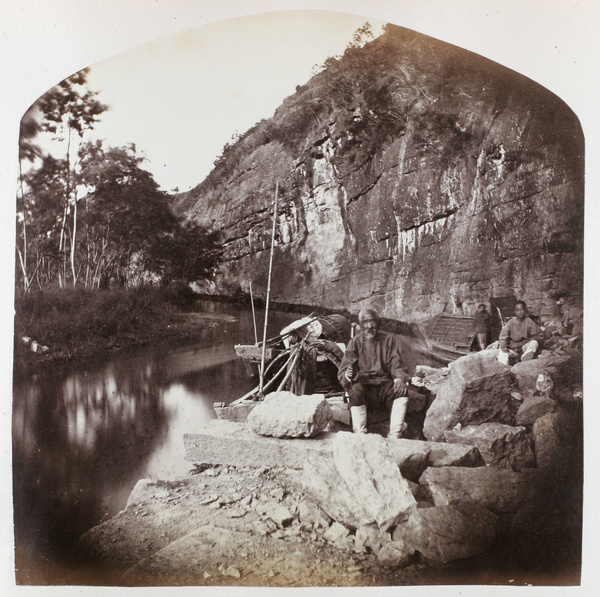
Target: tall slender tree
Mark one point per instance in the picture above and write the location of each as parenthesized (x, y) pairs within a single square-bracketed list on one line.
[(68, 110), (28, 151)]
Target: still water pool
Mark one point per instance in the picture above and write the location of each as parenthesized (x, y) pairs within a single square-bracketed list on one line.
[(83, 436)]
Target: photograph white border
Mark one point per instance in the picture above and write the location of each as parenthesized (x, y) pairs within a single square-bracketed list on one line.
[(554, 42)]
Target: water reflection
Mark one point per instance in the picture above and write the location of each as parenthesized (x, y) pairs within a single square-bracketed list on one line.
[(83, 438)]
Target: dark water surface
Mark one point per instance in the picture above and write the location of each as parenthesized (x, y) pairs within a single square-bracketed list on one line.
[(82, 437)]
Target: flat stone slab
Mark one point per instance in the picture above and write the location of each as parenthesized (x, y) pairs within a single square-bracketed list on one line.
[(231, 443)]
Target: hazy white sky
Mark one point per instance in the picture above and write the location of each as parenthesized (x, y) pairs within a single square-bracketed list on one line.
[(182, 97)]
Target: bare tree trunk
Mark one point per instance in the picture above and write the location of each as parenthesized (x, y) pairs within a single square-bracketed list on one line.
[(62, 274), (74, 240), (23, 257), (87, 245), (61, 244)]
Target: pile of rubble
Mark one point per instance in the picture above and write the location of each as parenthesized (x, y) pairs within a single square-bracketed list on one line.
[(500, 470)]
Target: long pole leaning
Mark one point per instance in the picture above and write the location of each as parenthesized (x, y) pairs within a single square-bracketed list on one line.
[(264, 344), (253, 315)]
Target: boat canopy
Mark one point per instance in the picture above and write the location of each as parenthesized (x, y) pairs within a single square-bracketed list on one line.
[(331, 327)]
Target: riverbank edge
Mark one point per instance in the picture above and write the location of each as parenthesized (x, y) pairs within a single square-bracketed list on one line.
[(31, 363), (163, 319), (177, 325)]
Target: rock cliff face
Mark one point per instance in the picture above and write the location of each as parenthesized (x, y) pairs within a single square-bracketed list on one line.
[(415, 177)]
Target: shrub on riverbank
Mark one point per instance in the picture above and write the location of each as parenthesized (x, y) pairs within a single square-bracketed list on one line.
[(78, 322)]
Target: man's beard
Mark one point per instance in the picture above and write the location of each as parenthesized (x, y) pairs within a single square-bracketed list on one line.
[(370, 334)]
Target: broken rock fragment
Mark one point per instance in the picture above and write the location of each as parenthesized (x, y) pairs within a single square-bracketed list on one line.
[(478, 390), (500, 445), (283, 414), (499, 490), (361, 485), (446, 533)]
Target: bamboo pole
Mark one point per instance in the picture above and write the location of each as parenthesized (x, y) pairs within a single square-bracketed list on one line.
[(290, 369), (264, 346), (253, 315)]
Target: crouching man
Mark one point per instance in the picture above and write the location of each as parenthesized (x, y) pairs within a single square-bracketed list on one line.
[(519, 336), (372, 374)]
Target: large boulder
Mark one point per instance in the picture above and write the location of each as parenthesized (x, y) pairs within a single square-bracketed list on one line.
[(283, 414), (554, 436), (500, 445), (362, 485), (446, 533), (533, 407), (498, 490), (478, 390), (559, 368)]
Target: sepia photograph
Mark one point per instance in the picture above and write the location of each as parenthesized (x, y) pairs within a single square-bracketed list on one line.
[(298, 302)]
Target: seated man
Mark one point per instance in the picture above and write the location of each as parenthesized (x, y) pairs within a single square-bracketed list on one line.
[(372, 374), (519, 336)]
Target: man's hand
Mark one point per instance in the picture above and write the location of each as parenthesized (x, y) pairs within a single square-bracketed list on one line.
[(504, 348), (351, 373), (399, 387)]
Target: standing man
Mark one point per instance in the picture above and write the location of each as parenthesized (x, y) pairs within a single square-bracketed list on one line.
[(519, 336), (372, 374), (483, 325)]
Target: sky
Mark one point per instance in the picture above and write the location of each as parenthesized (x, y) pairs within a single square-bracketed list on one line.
[(181, 98)]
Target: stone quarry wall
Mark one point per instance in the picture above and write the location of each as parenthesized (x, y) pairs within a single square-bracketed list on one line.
[(415, 177)]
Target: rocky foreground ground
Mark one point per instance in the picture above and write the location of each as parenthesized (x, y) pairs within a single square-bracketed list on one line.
[(492, 494)]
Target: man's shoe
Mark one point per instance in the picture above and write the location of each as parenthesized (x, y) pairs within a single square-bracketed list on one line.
[(527, 356)]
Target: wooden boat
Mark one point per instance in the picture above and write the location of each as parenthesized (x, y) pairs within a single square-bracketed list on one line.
[(448, 337), (335, 328), (251, 354)]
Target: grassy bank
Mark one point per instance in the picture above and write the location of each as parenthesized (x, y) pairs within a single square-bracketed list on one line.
[(79, 323)]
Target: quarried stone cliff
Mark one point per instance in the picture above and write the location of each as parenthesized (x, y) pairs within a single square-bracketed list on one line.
[(415, 177)]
